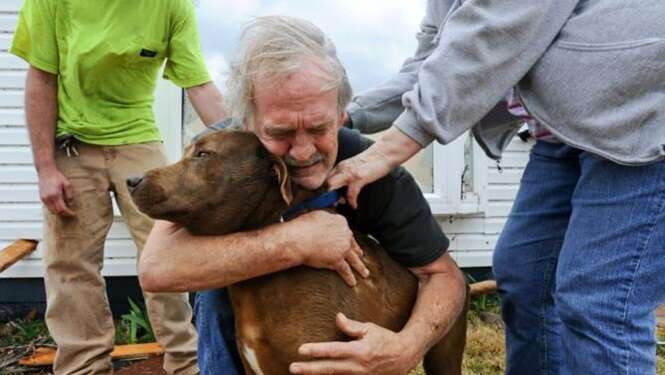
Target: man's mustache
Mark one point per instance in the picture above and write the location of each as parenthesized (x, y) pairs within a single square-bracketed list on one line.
[(291, 162)]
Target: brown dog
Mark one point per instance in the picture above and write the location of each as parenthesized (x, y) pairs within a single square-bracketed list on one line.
[(228, 182)]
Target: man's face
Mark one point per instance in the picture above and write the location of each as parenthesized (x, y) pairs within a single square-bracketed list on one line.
[(297, 121)]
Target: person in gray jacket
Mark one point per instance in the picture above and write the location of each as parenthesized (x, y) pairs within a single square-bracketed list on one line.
[(580, 261)]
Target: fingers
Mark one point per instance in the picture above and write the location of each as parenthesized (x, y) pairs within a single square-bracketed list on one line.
[(333, 349), (347, 174), (69, 192), (325, 367), (351, 327), (352, 192), (338, 177), (344, 270), (351, 262), (62, 209), (353, 259), (56, 204)]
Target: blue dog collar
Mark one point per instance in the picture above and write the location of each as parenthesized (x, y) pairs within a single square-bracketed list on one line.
[(322, 201)]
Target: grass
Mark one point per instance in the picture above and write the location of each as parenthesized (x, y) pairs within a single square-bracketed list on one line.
[(485, 348), (20, 337)]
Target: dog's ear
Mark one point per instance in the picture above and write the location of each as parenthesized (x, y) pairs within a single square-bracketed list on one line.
[(279, 166)]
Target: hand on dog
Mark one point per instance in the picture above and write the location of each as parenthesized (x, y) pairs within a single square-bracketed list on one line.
[(326, 241), (391, 150), (376, 351)]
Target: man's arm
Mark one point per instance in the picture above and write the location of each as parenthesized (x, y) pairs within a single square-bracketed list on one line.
[(375, 110), (41, 110), (173, 260), (441, 298), (208, 103)]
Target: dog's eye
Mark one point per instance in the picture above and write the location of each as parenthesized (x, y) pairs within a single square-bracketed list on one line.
[(202, 154)]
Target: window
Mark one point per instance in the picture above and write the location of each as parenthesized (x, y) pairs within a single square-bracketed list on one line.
[(373, 38)]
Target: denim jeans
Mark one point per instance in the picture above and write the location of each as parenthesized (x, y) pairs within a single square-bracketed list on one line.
[(217, 351), (580, 265)]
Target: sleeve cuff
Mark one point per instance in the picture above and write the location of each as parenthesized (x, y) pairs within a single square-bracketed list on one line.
[(185, 84), (49, 68), (407, 122), (357, 116)]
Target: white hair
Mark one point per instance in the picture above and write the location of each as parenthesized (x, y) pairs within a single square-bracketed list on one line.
[(272, 46)]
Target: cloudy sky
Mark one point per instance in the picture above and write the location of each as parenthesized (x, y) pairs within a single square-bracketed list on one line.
[(373, 37)]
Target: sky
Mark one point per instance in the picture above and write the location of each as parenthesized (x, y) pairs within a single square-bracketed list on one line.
[(373, 37)]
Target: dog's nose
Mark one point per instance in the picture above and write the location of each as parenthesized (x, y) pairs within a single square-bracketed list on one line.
[(133, 182)]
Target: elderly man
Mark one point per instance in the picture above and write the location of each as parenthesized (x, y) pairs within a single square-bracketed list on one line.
[(289, 87)]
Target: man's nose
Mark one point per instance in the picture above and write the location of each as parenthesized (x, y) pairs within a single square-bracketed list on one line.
[(133, 182), (302, 151)]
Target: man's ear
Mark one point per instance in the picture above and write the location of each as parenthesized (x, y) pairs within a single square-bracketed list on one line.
[(283, 179), (343, 118)]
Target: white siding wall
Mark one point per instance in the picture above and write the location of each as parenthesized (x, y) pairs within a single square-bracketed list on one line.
[(20, 209), (473, 237)]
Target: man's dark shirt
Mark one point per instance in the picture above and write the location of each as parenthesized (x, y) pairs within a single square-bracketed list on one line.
[(393, 210)]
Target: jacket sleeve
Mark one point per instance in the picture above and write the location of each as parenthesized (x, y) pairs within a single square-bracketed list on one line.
[(376, 109), (485, 48)]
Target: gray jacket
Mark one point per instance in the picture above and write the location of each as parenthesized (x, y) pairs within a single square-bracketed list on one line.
[(591, 71)]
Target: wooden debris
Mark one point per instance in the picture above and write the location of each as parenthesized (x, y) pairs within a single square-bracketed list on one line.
[(14, 252), (45, 356), (483, 287)]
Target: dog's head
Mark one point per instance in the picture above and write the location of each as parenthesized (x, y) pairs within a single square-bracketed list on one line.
[(226, 181)]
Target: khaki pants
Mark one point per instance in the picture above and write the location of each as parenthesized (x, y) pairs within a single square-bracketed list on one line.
[(78, 314)]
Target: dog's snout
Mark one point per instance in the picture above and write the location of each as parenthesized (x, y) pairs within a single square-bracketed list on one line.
[(133, 182)]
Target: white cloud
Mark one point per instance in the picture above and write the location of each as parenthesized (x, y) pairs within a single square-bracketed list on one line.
[(373, 37)]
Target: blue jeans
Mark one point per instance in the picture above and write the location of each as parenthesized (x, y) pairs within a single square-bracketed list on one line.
[(217, 351), (580, 265)]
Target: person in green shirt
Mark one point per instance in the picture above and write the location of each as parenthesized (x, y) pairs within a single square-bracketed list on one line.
[(89, 108)]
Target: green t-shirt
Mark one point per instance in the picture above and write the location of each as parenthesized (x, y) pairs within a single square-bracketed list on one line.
[(107, 55)]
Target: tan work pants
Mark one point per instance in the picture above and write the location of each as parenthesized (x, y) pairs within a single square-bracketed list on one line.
[(78, 314)]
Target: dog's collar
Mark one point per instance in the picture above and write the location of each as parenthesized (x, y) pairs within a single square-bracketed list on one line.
[(322, 201)]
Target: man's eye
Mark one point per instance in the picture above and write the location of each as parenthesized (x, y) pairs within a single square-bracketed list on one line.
[(202, 154)]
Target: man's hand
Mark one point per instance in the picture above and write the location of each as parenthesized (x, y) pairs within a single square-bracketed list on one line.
[(376, 351), (324, 240), (56, 192)]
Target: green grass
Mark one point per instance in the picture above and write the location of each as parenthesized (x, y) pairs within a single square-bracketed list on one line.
[(134, 327), (485, 349), (20, 337)]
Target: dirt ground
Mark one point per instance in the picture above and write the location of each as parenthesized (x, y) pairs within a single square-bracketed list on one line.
[(484, 352), (145, 367)]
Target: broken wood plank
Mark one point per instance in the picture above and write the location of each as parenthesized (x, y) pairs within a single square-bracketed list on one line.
[(482, 287), (15, 252), (45, 356)]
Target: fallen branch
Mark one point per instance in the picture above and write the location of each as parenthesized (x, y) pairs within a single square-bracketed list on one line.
[(45, 356), (15, 252)]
